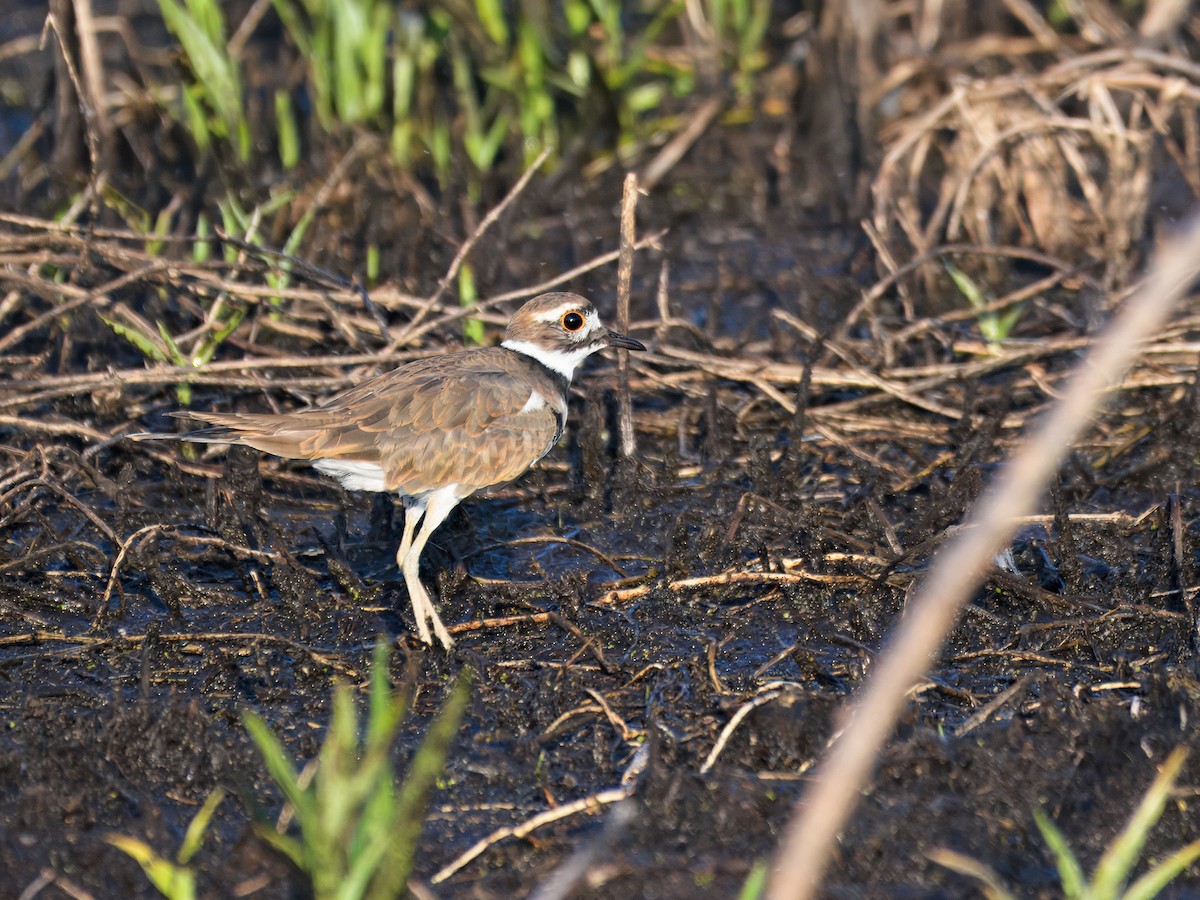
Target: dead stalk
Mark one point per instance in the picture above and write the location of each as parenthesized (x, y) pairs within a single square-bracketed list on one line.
[(842, 774), (626, 443)]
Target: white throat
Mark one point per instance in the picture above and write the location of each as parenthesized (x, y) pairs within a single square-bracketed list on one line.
[(563, 362)]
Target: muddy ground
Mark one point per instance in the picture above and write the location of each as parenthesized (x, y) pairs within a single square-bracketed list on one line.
[(148, 597)]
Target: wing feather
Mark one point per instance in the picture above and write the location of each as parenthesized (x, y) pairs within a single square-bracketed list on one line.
[(427, 426)]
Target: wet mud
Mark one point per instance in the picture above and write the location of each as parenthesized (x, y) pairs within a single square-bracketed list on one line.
[(684, 624)]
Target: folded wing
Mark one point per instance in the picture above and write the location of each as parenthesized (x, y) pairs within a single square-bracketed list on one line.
[(425, 425)]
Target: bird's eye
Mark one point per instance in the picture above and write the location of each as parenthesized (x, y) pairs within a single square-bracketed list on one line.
[(572, 321)]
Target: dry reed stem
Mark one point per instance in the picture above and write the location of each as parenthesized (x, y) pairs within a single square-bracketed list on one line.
[(589, 804), (626, 443), (492, 217), (765, 694), (542, 618), (563, 882), (824, 809)]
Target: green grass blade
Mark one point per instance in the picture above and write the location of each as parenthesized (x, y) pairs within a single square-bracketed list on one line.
[(348, 27), (384, 711), (493, 141), (292, 244), (439, 148), (754, 31), (578, 16), (966, 285), (372, 264), (233, 217), (193, 838), (288, 129), (276, 203), (214, 339), (492, 17), (999, 326), (376, 835), (207, 16), (162, 224), (144, 342), (994, 327), (202, 249), (1070, 873), (172, 881), (335, 793), (285, 844), (1122, 854), (637, 50), (755, 885), (213, 69), (293, 23), (1152, 883), (279, 763), (375, 780), (178, 357), (426, 766), (306, 854), (717, 10), (197, 119), (314, 50), (404, 80), (473, 332)]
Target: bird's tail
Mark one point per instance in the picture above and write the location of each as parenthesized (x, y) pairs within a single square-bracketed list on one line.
[(216, 434), (262, 431)]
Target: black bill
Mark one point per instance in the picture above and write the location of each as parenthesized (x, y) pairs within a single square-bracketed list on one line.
[(625, 343)]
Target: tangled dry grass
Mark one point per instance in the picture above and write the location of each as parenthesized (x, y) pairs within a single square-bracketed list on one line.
[(1058, 160)]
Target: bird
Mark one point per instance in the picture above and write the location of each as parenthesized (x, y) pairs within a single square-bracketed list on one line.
[(437, 430)]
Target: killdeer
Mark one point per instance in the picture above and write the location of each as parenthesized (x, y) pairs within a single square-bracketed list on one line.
[(437, 430)]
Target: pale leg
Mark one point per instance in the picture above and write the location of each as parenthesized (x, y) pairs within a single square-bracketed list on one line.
[(413, 510), (438, 505)]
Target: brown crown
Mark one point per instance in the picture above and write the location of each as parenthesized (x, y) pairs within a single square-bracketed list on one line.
[(530, 324)]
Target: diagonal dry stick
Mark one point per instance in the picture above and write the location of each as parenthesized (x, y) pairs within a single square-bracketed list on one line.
[(826, 806), (679, 145), (448, 316), (589, 804), (492, 217)]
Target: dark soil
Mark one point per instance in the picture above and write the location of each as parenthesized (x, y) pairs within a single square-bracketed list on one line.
[(149, 598)]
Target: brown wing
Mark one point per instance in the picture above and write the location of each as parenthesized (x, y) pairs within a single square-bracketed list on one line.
[(465, 427), (426, 425)]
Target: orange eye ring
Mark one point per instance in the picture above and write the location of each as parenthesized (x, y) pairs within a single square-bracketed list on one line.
[(572, 321)]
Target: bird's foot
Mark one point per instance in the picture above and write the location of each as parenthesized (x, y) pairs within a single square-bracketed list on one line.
[(426, 615)]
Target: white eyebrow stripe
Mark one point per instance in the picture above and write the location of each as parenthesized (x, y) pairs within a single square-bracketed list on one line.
[(553, 315)]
